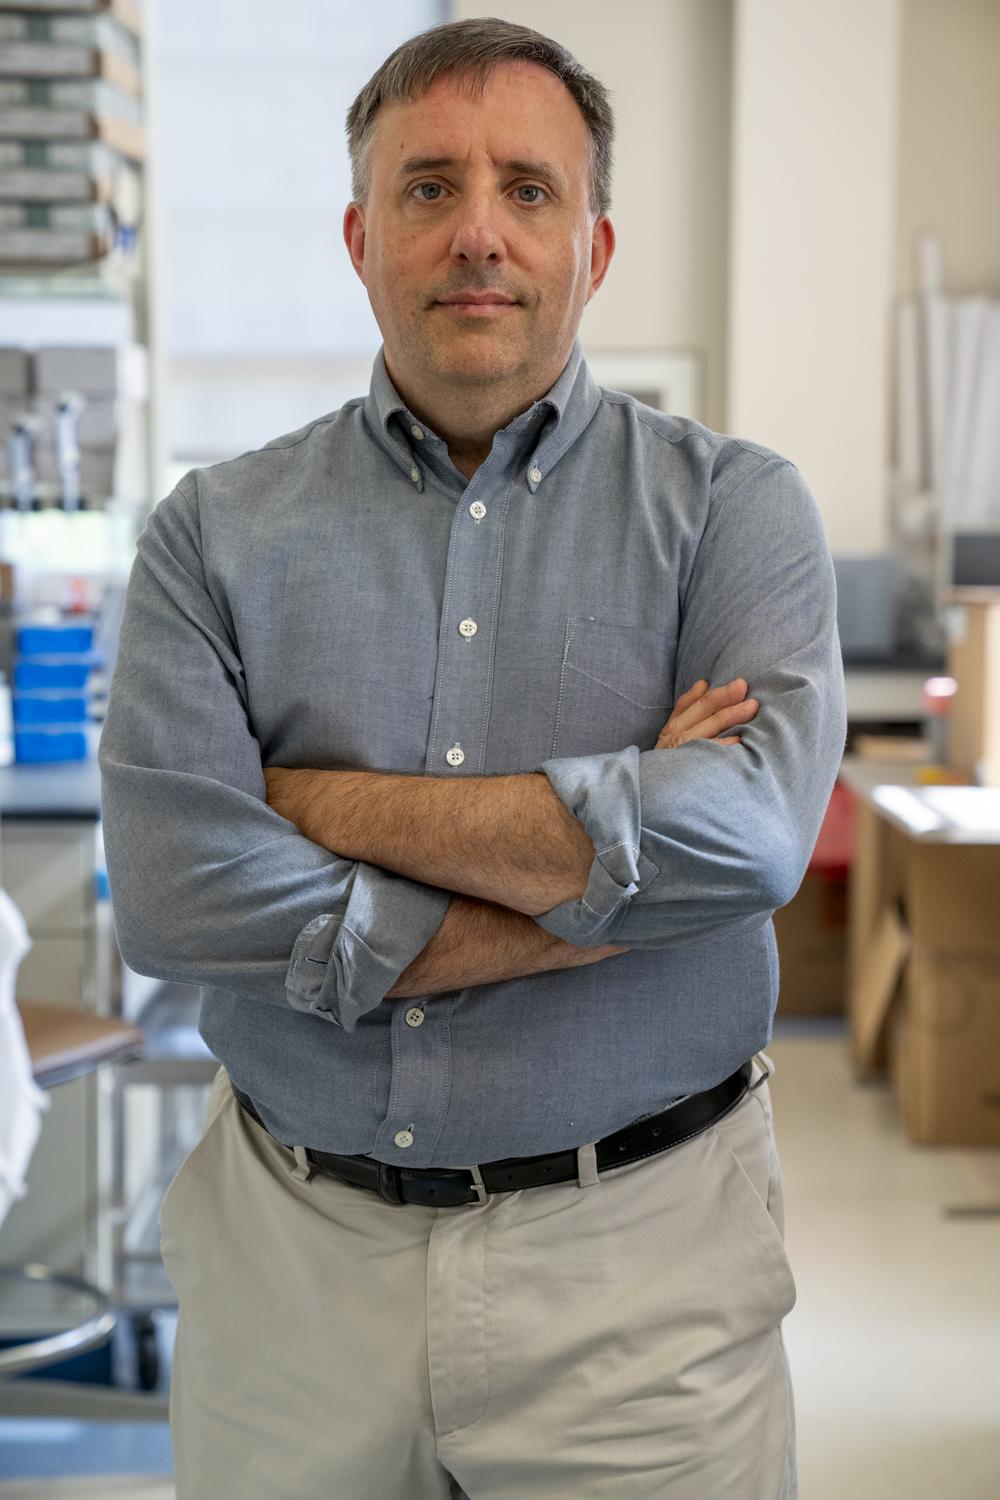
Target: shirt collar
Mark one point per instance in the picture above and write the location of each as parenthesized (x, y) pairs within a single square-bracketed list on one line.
[(541, 435)]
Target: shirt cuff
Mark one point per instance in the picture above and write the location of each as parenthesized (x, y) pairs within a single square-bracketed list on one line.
[(344, 963), (602, 791)]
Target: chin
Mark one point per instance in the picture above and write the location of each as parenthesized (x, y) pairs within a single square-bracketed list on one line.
[(479, 366)]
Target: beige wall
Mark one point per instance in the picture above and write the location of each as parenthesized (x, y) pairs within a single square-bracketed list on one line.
[(813, 226), (776, 159), (666, 63), (949, 178)]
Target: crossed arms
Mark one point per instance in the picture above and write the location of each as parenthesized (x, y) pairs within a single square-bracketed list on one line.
[(506, 845), (294, 891)]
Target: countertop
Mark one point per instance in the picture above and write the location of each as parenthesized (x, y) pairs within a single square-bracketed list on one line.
[(929, 814), (67, 790)]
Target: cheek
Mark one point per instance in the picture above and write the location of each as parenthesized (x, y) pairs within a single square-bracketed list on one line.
[(402, 262), (570, 276)]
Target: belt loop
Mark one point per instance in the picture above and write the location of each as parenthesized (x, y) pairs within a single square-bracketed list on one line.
[(767, 1068), (586, 1166), (304, 1170)]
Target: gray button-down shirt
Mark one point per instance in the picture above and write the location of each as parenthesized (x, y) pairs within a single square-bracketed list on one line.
[(344, 597)]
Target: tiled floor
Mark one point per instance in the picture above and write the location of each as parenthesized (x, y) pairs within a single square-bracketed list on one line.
[(895, 1340)]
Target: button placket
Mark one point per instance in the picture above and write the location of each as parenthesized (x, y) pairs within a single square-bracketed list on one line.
[(420, 1084), (463, 679)]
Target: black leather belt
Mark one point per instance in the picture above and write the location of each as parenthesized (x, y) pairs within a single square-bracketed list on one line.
[(445, 1187)]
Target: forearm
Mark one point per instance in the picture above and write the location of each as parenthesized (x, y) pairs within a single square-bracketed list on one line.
[(480, 943), (504, 839)]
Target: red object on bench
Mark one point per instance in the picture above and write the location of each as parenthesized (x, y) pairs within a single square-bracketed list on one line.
[(834, 852)]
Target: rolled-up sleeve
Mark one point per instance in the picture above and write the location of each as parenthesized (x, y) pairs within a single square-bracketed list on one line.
[(209, 885), (691, 841)]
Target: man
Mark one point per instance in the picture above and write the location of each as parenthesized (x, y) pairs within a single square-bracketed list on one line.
[(487, 1203)]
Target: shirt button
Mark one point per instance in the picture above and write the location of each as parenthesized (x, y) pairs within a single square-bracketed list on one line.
[(477, 509), (468, 628), (403, 1138), (535, 474), (415, 475), (417, 432), (455, 755), (415, 1016)]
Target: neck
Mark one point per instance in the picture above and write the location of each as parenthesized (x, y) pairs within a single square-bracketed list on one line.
[(467, 417)]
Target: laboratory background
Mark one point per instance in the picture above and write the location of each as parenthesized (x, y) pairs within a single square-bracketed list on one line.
[(808, 222)]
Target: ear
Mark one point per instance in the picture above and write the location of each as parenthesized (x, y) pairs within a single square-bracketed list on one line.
[(354, 236), (602, 248)]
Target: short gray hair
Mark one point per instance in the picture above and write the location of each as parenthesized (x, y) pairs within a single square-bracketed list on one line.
[(471, 50)]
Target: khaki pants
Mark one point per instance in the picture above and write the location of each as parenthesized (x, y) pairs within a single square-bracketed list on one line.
[(615, 1340)]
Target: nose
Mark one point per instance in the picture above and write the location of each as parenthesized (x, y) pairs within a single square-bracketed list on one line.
[(478, 239)]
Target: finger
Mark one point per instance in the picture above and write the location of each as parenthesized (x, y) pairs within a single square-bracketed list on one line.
[(733, 739), (727, 718), (713, 726), (709, 703), (705, 720), (698, 690)]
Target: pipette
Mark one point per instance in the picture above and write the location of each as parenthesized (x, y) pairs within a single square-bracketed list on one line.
[(23, 437), (69, 407)]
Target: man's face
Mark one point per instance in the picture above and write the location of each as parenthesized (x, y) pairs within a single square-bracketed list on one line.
[(477, 244)]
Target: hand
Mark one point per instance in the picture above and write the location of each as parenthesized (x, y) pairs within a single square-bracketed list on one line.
[(703, 713)]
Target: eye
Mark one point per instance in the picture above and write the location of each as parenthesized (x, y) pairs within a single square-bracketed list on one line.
[(428, 192), (530, 188)]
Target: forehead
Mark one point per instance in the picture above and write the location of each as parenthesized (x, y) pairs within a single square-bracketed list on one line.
[(522, 111)]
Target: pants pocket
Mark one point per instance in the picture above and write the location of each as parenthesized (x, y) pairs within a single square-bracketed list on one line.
[(753, 1191), (220, 1092)]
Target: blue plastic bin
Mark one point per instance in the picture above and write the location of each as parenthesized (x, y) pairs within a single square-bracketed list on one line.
[(50, 709), (32, 746), (54, 640), (51, 672)]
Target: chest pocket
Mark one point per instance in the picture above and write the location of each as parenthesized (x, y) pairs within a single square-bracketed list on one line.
[(615, 686)]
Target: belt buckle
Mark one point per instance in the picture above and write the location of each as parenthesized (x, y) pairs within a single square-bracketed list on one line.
[(478, 1185)]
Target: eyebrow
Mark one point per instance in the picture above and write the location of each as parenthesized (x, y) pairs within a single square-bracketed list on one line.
[(544, 169)]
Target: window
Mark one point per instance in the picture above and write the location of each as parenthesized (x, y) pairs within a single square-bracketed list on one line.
[(265, 322)]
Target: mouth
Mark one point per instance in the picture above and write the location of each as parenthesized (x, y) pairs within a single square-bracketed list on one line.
[(477, 304)]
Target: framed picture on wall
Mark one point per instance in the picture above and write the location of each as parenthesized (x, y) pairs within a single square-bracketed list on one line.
[(671, 381)]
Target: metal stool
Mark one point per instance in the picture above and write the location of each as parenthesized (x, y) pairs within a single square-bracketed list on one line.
[(64, 1044)]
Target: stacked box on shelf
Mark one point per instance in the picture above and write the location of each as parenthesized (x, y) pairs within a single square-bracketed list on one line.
[(70, 132), (112, 382), (52, 668), (109, 379)]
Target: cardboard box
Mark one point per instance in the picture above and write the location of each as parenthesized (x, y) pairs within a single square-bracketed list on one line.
[(812, 947), (974, 662), (946, 1051), (812, 929), (924, 963), (946, 1037), (15, 375), (99, 373)]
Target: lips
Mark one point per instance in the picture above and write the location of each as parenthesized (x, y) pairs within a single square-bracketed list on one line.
[(476, 299)]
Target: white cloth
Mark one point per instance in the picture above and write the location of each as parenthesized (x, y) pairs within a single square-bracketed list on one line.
[(21, 1100)]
